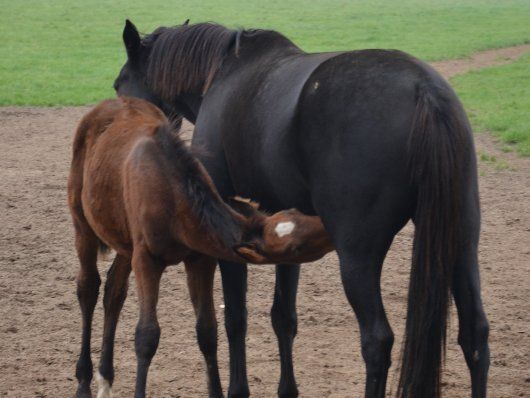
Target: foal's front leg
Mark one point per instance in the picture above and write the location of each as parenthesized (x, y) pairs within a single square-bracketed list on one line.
[(200, 271), (148, 273)]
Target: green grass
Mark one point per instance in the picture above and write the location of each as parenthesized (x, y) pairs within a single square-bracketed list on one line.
[(497, 99), (498, 164), (68, 52)]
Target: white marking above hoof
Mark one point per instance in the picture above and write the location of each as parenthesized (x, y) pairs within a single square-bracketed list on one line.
[(284, 228), (104, 387)]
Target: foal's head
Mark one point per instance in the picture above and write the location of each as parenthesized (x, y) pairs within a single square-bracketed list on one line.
[(288, 236)]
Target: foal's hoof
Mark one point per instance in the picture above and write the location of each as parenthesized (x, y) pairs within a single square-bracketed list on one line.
[(104, 387)]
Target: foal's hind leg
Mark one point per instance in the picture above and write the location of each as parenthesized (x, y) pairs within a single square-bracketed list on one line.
[(148, 273), (115, 294), (88, 282), (200, 271), (284, 322)]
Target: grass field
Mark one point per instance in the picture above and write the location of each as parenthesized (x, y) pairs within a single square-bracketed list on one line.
[(497, 99), (68, 52)]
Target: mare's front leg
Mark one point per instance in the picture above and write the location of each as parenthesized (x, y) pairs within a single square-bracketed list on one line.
[(200, 272), (234, 277), (148, 272), (116, 288), (88, 282), (284, 322)]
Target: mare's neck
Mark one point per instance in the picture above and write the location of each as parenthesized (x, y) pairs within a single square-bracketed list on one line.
[(253, 47), (188, 105)]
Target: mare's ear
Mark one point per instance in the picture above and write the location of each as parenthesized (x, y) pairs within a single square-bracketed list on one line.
[(186, 22), (131, 39), (249, 253)]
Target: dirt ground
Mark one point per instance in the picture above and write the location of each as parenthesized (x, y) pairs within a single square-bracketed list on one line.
[(498, 56), (40, 320)]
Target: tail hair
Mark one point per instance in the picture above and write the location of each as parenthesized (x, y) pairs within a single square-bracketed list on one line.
[(437, 144)]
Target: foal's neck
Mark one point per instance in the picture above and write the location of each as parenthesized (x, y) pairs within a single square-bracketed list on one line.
[(218, 235)]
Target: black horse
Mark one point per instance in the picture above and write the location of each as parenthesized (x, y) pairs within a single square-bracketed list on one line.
[(365, 139)]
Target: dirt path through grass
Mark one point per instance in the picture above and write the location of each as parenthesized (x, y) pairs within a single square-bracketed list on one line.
[(482, 59)]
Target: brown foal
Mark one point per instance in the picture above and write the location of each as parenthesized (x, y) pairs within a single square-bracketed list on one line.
[(134, 186)]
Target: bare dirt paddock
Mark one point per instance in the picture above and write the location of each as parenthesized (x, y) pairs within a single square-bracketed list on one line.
[(40, 320)]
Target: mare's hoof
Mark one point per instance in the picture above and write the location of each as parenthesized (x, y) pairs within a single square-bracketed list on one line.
[(288, 392), (83, 391), (242, 392)]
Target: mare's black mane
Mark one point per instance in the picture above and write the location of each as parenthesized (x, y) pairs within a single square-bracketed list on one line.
[(185, 58)]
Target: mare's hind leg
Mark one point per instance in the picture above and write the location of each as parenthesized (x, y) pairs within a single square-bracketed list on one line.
[(148, 273), (88, 282), (362, 230), (284, 322), (360, 266), (473, 325), (115, 293), (200, 272)]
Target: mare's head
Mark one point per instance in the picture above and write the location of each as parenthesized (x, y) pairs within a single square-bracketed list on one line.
[(171, 63), (288, 236), (131, 80)]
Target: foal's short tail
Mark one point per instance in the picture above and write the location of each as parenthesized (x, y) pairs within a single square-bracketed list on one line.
[(438, 141)]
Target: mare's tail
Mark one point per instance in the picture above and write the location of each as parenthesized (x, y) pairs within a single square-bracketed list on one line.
[(439, 140)]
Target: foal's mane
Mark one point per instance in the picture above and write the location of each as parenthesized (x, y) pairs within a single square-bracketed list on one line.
[(185, 58), (204, 201)]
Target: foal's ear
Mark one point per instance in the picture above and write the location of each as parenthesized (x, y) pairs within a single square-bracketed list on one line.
[(186, 22), (249, 253), (245, 207), (131, 39)]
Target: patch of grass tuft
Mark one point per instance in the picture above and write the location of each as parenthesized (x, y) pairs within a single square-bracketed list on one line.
[(498, 164), (486, 157)]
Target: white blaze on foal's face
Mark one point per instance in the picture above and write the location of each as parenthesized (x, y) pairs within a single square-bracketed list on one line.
[(284, 228)]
